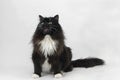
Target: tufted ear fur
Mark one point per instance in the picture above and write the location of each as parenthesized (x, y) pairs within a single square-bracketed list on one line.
[(56, 17), (41, 18)]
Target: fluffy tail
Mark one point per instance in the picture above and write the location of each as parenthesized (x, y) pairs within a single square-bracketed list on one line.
[(87, 62)]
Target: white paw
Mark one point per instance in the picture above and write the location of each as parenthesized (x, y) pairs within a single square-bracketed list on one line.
[(35, 76), (59, 75)]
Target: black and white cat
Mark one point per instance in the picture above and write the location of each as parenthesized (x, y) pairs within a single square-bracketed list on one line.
[(50, 54)]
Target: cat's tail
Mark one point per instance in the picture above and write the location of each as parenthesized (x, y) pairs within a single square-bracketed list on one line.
[(87, 62)]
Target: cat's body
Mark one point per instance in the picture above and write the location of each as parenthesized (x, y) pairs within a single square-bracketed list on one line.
[(50, 54)]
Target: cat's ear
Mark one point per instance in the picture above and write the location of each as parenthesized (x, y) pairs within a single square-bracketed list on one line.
[(56, 17), (41, 18)]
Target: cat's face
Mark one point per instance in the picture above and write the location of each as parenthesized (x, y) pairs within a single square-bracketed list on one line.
[(49, 25)]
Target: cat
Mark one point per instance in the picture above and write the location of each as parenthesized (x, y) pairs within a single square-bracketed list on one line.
[(50, 54)]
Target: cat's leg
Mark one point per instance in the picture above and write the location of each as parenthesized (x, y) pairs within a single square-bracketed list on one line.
[(57, 70), (68, 68), (66, 57), (37, 66), (37, 70)]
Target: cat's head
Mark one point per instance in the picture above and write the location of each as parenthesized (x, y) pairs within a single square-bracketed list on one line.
[(49, 25)]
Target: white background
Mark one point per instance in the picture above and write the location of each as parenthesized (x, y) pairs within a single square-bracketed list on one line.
[(91, 27)]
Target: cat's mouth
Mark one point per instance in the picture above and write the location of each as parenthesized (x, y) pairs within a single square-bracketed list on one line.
[(46, 31)]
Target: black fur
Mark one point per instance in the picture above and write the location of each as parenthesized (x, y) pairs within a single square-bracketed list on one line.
[(61, 59), (88, 62)]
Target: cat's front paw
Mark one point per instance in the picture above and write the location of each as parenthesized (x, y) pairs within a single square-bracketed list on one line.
[(35, 76), (58, 75)]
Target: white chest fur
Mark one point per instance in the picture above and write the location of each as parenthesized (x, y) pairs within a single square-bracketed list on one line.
[(46, 66), (48, 45)]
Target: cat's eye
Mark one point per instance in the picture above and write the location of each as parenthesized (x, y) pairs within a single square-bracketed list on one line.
[(42, 23), (50, 23)]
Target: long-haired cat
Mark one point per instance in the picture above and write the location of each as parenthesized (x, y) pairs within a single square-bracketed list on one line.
[(50, 54)]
